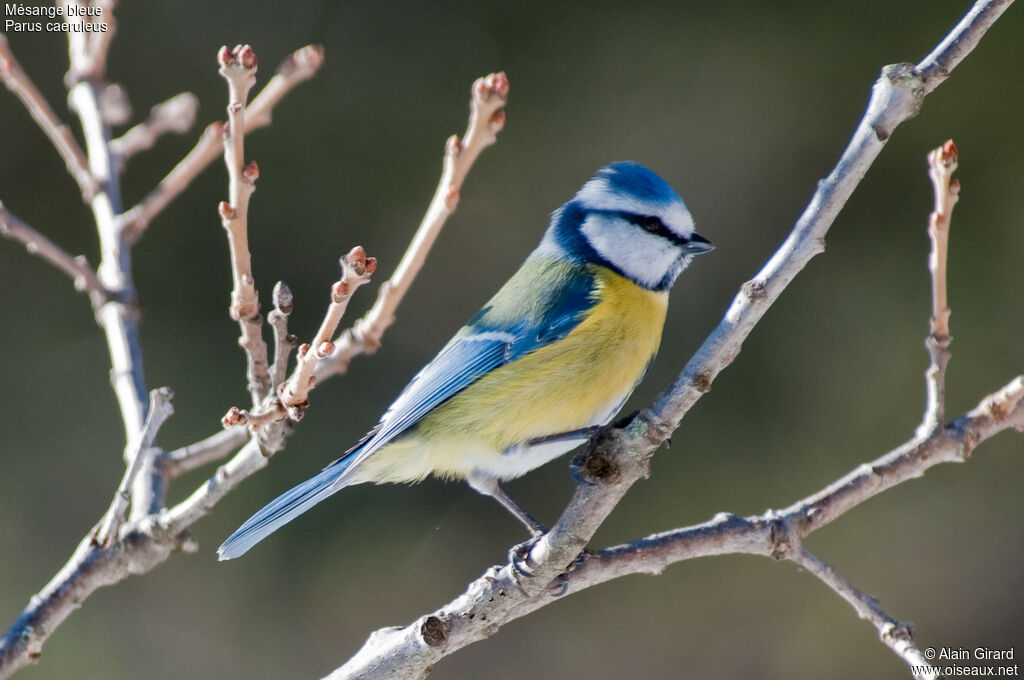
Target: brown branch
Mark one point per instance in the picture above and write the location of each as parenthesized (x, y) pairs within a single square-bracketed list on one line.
[(176, 115), (238, 67), (151, 534), (941, 164), (293, 396), (296, 68), (77, 268), (612, 466), (897, 635), (488, 97), (18, 82), (356, 270), (175, 463), (507, 593), (284, 342), (160, 408)]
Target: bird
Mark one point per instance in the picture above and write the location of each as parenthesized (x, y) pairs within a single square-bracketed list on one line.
[(545, 362)]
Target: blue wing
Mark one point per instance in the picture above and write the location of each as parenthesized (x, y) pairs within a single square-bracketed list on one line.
[(491, 339), (541, 304)]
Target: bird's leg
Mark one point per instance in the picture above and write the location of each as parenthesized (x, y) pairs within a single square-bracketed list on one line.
[(488, 486)]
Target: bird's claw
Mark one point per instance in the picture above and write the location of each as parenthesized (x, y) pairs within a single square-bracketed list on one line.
[(519, 556)]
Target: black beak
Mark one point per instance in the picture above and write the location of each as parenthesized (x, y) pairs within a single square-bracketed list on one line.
[(698, 245)]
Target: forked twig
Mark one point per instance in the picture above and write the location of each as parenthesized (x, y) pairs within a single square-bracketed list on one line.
[(488, 97)]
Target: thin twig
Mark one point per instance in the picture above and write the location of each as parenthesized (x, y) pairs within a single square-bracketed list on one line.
[(942, 163), (99, 41), (176, 115), (897, 635), (296, 68), (624, 456), (175, 463), (83, 276), (488, 97), (507, 593), (246, 462), (148, 540), (356, 269), (284, 342), (160, 408), (238, 67), (18, 82), (293, 395)]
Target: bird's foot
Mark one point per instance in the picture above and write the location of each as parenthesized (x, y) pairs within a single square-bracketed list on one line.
[(519, 556)]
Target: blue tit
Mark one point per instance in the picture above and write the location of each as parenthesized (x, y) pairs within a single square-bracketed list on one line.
[(554, 354)]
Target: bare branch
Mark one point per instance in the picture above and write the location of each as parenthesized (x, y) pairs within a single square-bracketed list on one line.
[(487, 116), (119, 317), (507, 593), (77, 268), (284, 342), (941, 164), (356, 269), (99, 41), (147, 540), (613, 465), (175, 463), (176, 115), (298, 67), (293, 396), (895, 634), (160, 408), (238, 67), (249, 460), (18, 82)]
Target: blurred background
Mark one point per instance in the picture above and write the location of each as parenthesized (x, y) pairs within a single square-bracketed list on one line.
[(742, 106)]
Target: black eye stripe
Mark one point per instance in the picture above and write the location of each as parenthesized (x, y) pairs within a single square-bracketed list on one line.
[(653, 225)]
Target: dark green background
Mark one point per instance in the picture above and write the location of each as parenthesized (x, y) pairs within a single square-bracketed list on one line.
[(742, 107)]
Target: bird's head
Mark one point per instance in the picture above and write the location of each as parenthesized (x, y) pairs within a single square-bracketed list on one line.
[(629, 219)]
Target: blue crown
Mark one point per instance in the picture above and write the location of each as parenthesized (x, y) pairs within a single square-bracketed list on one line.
[(633, 179)]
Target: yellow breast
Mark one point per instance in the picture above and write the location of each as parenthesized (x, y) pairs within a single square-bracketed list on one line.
[(569, 384)]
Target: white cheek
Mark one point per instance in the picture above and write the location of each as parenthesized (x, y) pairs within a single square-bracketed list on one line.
[(643, 257)]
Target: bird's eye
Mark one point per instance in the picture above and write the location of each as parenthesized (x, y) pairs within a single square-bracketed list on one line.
[(651, 224)]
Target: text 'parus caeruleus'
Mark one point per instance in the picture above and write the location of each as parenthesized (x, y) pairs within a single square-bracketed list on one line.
[(553, 354)]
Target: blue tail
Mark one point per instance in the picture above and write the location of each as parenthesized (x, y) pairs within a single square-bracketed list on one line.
[(285, 508)]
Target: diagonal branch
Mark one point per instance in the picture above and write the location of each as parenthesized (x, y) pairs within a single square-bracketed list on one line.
[(77, 268), (299, 66), (504, 594), (176, 115), (238, 67), (895, 634), (488, 97), (292, 396), (18, 82), (612, 466), (160, 408)]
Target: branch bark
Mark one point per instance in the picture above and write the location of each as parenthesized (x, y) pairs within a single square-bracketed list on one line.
[(18, 82), (77, 268), (301, 65), (145, 542), (238, 67), (612, 466), (506, 593), (487, 117), (176, 115)]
